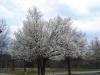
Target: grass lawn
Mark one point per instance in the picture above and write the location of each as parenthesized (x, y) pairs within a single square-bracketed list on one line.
[(19, 71), (33, 71)]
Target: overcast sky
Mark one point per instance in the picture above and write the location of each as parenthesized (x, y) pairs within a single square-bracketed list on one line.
[(84, 13)]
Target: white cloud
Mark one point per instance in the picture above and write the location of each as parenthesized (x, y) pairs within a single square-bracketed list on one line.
[(14, 29), (88, 25), (79, 6), (45, 6), (7, 13)]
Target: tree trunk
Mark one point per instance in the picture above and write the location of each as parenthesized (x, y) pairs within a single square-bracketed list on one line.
[(25, 70), (39, 66), (96, 64), (43, 67), (13, 65), (1, 58), (44, 63), (69, 66)]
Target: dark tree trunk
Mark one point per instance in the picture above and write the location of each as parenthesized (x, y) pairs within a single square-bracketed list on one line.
[(44, 63), (69, 65), (43, 67), (25, 70), (96, 64), (13, 65), (1, 59), (39, 66)]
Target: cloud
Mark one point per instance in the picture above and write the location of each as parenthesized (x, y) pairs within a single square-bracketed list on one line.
[(14, 29), (5, 12), (44, 5), (90, 27), (80, 7)]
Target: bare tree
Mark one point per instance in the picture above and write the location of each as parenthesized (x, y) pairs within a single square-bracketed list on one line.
[(4, 39), (95, 48)]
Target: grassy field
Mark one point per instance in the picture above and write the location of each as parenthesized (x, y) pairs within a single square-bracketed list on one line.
[(33, 71)]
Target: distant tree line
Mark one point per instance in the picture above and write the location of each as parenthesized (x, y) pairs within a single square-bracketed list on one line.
[(76, 63)]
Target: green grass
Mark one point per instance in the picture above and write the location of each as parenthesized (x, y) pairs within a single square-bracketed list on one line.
[(33, 71), (72, 69), (19, 71)]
